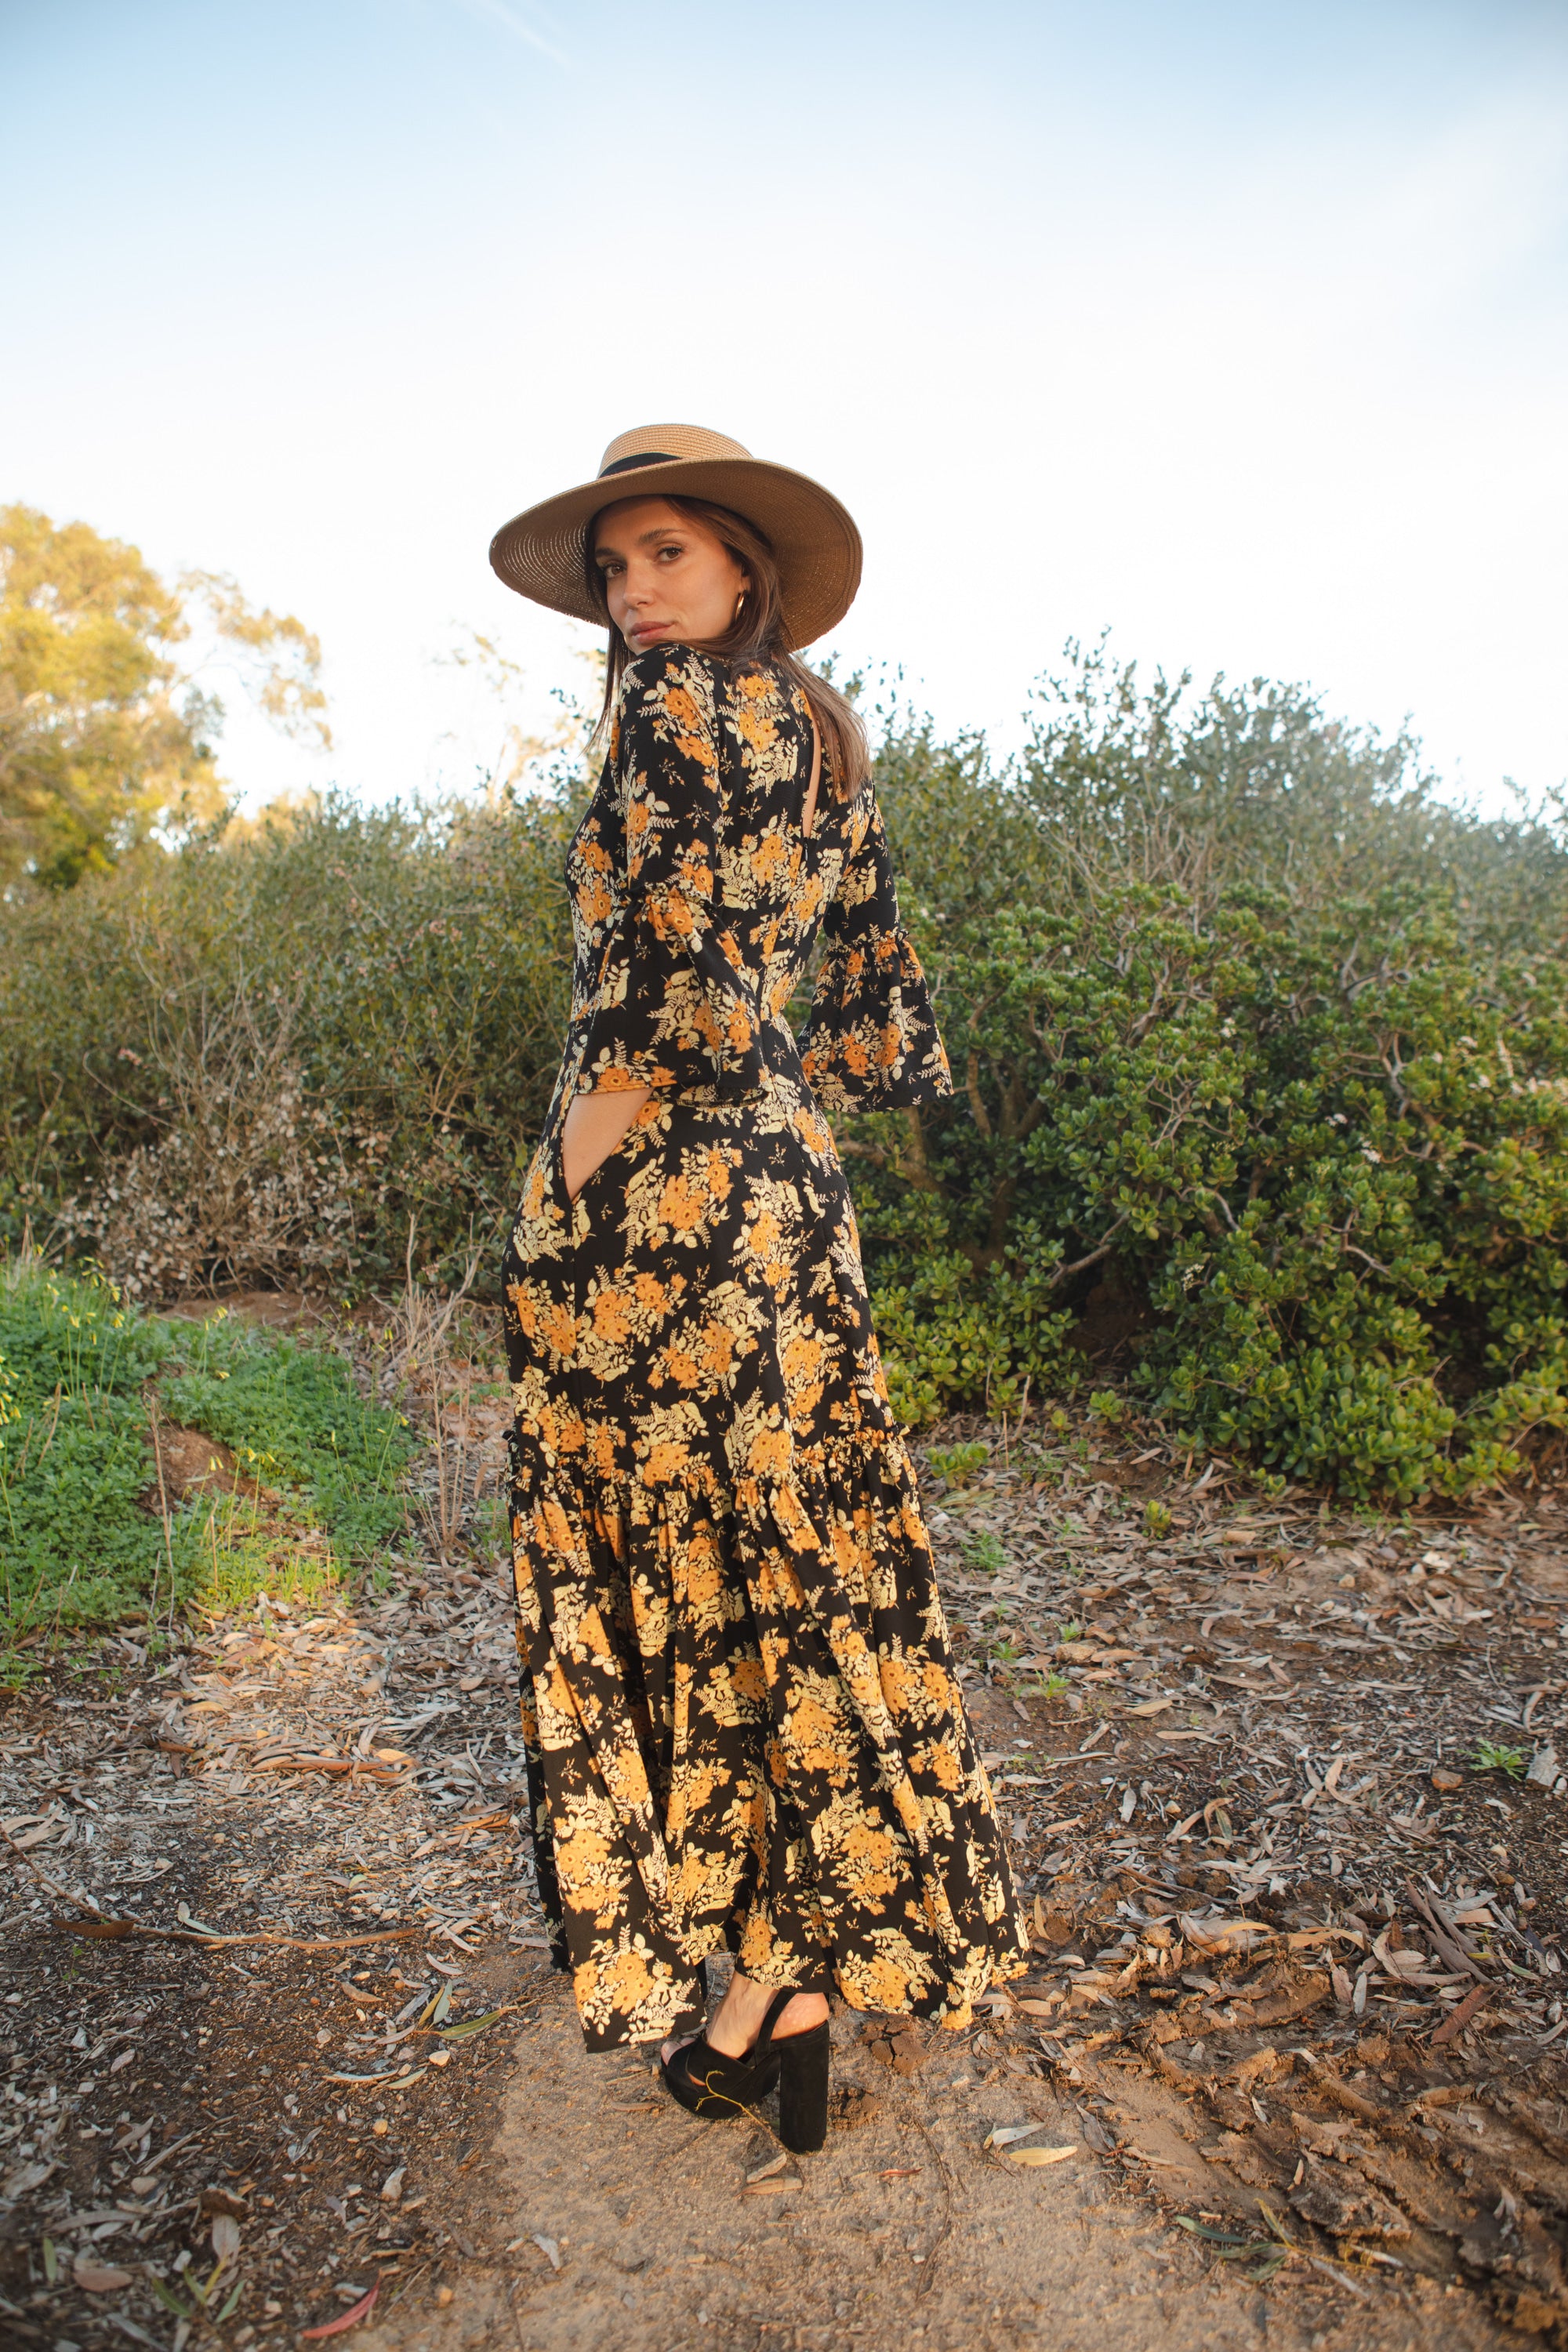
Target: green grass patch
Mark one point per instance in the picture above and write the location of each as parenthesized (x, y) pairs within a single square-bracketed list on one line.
[(295, 1419), (248, 1554), (83, 1540)]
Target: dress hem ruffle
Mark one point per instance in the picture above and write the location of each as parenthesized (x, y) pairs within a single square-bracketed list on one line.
[(789, 1544)]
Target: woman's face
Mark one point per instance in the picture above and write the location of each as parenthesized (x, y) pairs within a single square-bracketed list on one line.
[(668, 580)]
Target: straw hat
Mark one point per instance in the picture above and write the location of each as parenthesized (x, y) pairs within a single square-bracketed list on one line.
[(541, 553)]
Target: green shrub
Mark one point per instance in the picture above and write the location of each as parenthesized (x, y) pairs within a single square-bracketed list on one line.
[(275, 1061), (1326, 1150), (1248, 1026), (1314, 1135)]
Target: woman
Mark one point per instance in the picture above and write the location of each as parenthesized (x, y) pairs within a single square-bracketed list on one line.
[(742, 1728)]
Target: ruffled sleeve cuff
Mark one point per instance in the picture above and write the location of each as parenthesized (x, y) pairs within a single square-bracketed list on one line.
[(872, 1042), (671, 1013)]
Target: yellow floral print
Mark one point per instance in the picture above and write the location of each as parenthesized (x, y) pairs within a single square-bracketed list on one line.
[(741, 1724)]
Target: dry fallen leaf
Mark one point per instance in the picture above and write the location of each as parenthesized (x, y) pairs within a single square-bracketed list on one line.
[(221, 2200), (1040, 2154), (351, 2318), (1004, 2135), (93, 2278), (766, 2171), (549, 2249), (225, 2237)]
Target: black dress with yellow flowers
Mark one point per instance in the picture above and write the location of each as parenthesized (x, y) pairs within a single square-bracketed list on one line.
[(742, 1722)]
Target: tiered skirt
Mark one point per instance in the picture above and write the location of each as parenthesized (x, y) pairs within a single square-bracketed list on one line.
[(742, 1728)]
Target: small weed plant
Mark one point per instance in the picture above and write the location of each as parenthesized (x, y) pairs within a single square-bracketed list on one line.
[(954, 1463)]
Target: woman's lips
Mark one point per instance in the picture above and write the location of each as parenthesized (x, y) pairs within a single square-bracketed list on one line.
[(648, 628)]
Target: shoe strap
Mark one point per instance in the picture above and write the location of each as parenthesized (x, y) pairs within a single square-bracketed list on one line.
[(776, 2007)]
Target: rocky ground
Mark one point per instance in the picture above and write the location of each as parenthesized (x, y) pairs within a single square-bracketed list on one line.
[(1286, 2069)]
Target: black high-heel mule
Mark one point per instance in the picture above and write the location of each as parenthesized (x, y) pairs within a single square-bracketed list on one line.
[(707, 2083)]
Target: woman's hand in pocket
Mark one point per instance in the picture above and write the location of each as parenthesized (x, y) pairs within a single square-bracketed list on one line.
[(595, 1123)]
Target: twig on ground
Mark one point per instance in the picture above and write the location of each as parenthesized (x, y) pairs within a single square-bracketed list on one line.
[(104, 1927)]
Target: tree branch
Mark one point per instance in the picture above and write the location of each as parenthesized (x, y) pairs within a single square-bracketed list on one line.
[(1078, 1265), (920, 1175), (976, 1101)]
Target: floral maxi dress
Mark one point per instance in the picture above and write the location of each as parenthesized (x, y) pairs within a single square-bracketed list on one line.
[(741, 1724)]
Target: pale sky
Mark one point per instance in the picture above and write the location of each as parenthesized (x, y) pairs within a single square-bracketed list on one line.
[(1237, 328)]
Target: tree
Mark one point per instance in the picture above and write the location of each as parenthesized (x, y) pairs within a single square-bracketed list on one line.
[(517, 763), (106, 742)]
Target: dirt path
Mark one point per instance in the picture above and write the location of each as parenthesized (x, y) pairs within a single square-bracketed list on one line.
[(1295, 2010), (903, 2232)]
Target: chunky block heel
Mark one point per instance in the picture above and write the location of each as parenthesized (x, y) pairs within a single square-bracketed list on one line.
[(803, 2061), (706, 2083)]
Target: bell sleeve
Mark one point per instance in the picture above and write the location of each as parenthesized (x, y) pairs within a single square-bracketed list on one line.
[(673, 1010), (871, 1042)]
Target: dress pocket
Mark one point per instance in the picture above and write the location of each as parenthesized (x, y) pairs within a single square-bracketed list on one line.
[(616, 1165)]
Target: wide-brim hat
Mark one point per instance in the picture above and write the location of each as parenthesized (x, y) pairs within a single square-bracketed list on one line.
[(542, 553)]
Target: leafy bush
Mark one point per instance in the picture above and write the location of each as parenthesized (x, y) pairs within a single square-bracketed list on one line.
[(1325, 1150), (278, 1061), (1315, 1139), (82, 1536), (1252, 1033)]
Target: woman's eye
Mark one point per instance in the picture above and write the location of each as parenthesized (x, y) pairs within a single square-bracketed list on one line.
[(670, 551)]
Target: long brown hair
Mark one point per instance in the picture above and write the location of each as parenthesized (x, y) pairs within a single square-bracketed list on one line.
[(757, 634)]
